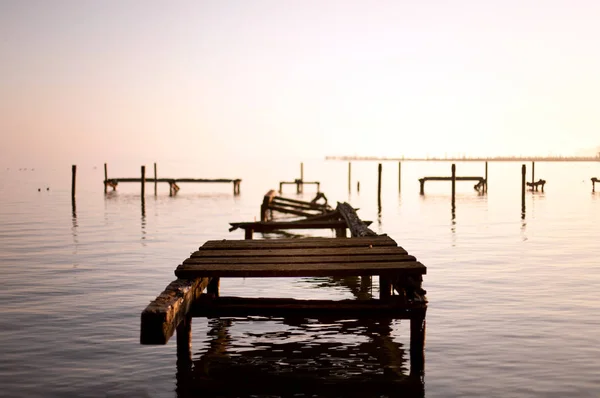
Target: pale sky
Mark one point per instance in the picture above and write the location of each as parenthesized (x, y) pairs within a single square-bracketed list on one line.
[(185, 79)]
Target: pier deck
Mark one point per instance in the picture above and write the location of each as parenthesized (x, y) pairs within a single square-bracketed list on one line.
[(363, 255)]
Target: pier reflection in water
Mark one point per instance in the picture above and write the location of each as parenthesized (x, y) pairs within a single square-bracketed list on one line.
[(301, 357)]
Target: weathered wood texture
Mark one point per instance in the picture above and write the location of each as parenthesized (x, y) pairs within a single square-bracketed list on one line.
[(299, 243), (268, 226), (282, 270), (236, 306), (162, 316), (356, 226), (305, 252), (392, 263)]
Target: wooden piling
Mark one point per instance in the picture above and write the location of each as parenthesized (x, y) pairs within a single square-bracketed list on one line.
[(357, 186), (486, 176), (155, 179), (453, 168), (379, 168), (417, 344), (399, 177), (349, 177), (301, 171), (532, 172), (523, 184), (73, 175), (105, 177), (143, 181), (184, 340)]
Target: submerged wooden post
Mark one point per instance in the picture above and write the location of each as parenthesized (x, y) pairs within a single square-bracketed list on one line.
[(533, 172), (349, 177), (486, 176), (143, 180), (301, 171), (184, 340), (105, 177), (357, 186), (453, 168), (73, 174), (379, 183), (417, 343), (155, 177), (213, 286), (523, 172), (385, 287), (399, 176)]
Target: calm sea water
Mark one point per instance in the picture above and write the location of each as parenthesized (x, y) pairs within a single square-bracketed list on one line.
[(514, 299)]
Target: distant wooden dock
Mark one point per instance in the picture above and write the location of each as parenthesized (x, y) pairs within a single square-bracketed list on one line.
[(365, 254), (173, 182)]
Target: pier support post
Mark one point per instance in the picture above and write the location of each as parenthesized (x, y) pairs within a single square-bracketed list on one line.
[(213, 286), (143, 181), (385, 287), (399, 177), (357, 186), (486, 176), (533, 173), (105, 177), (184, 340), (523, 185), (349, 177), (453, 168), (155, 178), (340, 232), (379, 168), (422, 184), (248, 233), (73, 178), (417, 343)]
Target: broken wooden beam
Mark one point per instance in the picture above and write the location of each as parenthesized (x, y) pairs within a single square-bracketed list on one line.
[(355, 225), (162, 316)]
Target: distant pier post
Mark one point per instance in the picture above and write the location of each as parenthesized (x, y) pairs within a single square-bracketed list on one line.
[(379, 168), (143, 181), (349, 177), (453, 168), (399, 176), (155, 177), (532, 172), (357, 186), (73, 178), (523, 184), (486, 176), (105, 177)]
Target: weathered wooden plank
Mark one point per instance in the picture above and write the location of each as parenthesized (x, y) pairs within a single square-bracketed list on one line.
[(356, 226), (266, 226), (339, 258), (347, 251), (391, 269), (291, 211), (293, 243), (395, 307), (161, 316)]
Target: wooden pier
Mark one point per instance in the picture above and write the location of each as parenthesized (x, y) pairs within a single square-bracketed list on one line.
[(364, 255), (481, 185), (299, 182), (174, 182), (536, 185)]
